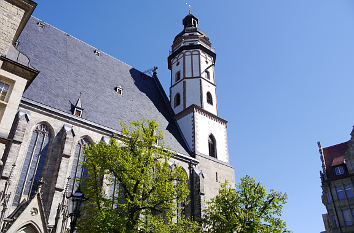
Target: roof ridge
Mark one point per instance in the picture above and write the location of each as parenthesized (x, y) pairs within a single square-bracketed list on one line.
[(84, 43), (339, 144)]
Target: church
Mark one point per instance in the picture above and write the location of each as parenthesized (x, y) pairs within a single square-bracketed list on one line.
[(59, 94)]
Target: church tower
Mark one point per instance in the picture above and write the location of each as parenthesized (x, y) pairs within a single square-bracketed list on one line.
[(194, 102)]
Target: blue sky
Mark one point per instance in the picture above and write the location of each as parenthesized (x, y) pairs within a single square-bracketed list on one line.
[(284, 75)]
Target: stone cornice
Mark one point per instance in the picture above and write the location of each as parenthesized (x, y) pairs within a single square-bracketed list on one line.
[(79, 122), (195, 108)]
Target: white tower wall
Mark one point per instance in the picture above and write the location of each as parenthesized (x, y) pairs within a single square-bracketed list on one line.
[(193, 92), (177, 89), (208, 87), (205, 126), (186, 126), (205, 62)]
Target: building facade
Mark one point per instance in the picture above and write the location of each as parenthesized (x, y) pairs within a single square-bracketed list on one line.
[(337, 178), (58, 94)]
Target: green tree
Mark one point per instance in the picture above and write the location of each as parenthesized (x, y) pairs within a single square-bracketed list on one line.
[(246, 209), (146, 187)]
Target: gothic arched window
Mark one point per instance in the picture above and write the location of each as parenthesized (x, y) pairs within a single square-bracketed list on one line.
[(209, 98), (33, 165), (115, 192), (180, 205), (177, 99), (212, 146), (78, 171)]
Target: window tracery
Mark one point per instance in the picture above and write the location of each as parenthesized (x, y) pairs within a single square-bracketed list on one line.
[(78, 170), (34, 163)]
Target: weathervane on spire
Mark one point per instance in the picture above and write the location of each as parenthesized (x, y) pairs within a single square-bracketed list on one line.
[(189, 7)]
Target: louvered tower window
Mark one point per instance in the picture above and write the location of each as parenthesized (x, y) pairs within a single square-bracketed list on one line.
[(177, 100), (212, 146), (209, 98), (78, 170), (33, 165)]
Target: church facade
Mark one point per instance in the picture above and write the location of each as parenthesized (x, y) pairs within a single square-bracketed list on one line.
[(58, 95)]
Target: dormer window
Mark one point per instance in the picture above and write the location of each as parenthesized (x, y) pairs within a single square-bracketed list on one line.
[(78, 112), (97, 52), (41, 24), (339, 170), (119, 90), (78, 107)]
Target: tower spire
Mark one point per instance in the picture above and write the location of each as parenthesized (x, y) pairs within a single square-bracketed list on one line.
[(189, 7)]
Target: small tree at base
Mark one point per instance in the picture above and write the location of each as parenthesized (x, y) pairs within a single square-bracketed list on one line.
[(145, 187), (246, 209)]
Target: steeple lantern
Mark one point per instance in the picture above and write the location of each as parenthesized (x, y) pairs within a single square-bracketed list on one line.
[(190, 21), (192, 69)]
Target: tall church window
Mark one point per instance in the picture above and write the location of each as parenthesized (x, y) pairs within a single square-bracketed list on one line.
[(78, 170), (209, 98), (33, 165), (177, 101), (180, 205), (212, 146), (177, 76), (115, 192)]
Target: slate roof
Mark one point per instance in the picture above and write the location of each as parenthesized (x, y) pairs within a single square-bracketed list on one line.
[(69, 66), (334, 156)]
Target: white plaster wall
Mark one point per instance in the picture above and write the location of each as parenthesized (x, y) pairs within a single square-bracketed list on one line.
[(203, 64), (186, 126), (196, 63), (207, 87), (176, 68), (204, 126), (193, 92), (188, 64), (178, 88)]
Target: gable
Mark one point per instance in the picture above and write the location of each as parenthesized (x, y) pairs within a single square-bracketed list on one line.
[(31, 219)]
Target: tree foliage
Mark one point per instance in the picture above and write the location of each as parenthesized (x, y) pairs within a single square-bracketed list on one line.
[(147, 188), (246, 209)]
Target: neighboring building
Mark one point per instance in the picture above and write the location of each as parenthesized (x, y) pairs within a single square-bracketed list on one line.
[(337, 178), (58, 94)]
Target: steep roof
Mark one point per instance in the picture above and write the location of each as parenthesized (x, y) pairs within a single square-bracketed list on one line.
[(334, 156), (69, 67)]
